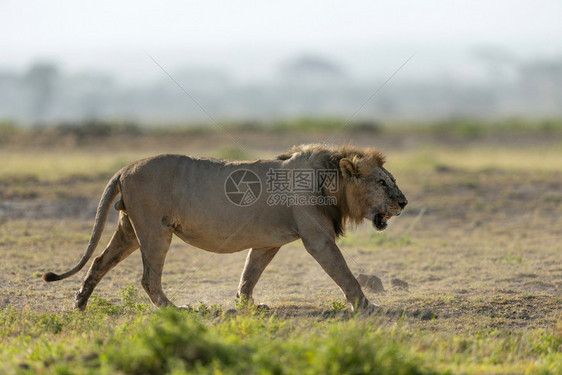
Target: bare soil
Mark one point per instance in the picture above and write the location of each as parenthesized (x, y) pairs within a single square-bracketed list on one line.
[(478, 248)]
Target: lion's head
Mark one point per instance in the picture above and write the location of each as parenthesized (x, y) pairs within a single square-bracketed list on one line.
[(370, 190), (366, 190)]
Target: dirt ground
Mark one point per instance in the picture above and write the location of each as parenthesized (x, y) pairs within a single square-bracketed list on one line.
[(479, 247)]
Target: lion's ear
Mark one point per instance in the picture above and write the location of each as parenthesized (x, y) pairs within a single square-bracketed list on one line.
[(348, 168)]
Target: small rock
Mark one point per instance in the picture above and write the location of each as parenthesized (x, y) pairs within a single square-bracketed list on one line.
[(371, 282), (400, 284)]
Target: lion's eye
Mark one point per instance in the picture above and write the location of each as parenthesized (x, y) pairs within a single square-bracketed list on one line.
[(382, 182)]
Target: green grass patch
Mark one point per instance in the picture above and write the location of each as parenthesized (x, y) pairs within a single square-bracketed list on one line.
[(132, 339), (444, 159), (233, 153), (174, 341), (472, 128), (371, 239), (46, 165)]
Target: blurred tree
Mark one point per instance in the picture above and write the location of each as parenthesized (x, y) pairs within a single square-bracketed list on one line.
[(310, 69), (40, 79)]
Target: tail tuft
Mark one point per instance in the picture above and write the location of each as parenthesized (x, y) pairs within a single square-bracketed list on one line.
[(50, 276)]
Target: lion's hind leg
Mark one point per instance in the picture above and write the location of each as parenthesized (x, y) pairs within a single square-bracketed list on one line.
[(256, 261), (154, 249), (122, 244)]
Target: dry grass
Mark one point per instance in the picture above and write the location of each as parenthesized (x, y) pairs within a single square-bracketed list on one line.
[(479, 245)]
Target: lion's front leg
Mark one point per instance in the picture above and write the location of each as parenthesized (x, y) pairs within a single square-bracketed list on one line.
[(318, 236), (327, 253)]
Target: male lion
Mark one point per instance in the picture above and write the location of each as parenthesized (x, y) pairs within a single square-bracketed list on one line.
[(193, 199)]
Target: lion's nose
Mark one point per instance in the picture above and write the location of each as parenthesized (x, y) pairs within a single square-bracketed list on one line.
[(403, 204)]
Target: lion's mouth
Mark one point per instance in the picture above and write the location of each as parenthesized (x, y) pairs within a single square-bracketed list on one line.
[(380, 221)]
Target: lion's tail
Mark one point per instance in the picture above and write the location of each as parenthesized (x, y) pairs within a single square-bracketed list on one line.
[(109, 194)]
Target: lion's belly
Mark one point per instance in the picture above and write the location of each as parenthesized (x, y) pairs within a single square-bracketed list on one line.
[(231, 240)]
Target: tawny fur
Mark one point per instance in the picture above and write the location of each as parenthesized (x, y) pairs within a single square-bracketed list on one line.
[(175, 194)]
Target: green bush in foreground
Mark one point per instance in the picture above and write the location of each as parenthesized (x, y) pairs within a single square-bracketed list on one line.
[(178, 342), (132, 338), (170, 341)]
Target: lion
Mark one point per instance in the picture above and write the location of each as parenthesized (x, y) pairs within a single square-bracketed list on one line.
[(225, 206)]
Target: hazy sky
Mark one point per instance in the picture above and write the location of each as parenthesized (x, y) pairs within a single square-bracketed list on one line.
[(250, 37)]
